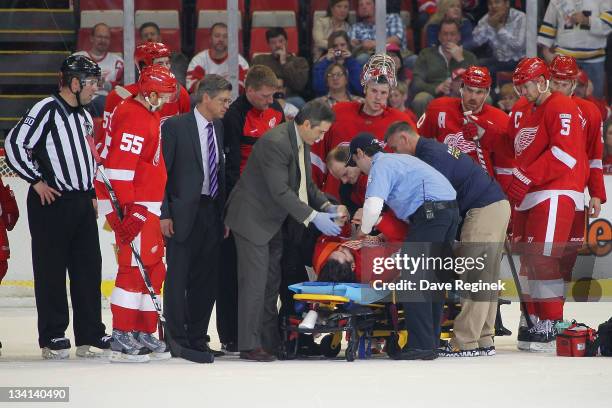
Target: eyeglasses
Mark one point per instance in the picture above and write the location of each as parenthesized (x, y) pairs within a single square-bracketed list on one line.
[(335, 75), (225, 101), (93, 81)]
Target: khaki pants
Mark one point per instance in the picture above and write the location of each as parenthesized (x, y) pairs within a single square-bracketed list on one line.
[(475, 325)]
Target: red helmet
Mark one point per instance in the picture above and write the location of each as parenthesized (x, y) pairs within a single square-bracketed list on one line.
[(147, 52), (158, 79), (582, 77), (564, 67), (478, 77), (529, 69)]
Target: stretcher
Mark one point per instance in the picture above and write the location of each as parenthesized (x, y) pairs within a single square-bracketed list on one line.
[(359, 313)]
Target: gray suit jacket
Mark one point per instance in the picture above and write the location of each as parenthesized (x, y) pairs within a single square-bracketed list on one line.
[(183, 157), (267, 191)]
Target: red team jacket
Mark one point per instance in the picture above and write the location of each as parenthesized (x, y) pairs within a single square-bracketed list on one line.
[(443, 121), (548, 143), (350, 120)]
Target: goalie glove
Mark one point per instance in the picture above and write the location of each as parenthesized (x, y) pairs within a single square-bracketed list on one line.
[(10, 211), (134, 218), (518, 187)]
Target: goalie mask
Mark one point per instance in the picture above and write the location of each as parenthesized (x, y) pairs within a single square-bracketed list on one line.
[(380, 68)]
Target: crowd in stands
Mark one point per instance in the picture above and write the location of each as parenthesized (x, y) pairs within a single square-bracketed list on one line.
[(451, 35)]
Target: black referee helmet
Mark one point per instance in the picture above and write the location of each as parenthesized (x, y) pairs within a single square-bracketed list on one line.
[(81, 67)]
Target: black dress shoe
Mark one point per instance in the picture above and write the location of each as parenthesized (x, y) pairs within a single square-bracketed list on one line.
[(202, 345), (257, 355), (415, 354)]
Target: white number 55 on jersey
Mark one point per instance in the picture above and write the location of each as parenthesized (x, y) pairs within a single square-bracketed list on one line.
[(131, 143)]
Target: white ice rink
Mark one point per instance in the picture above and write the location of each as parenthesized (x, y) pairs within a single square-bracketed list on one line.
[(509, 379)]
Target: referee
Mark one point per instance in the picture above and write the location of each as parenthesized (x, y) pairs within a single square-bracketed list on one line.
[(48, 149)]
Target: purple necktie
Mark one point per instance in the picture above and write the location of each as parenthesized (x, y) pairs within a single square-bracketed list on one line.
[(213, 184)]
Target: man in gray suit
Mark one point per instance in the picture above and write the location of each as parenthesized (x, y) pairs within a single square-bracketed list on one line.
[(192, 212), (275, 184)]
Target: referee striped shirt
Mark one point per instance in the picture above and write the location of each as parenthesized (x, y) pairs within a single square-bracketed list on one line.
[(49, 144)]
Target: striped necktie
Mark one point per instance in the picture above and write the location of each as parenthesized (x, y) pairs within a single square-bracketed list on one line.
[(213, 184)]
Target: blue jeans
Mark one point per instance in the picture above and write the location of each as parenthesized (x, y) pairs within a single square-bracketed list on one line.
[(596, 72)]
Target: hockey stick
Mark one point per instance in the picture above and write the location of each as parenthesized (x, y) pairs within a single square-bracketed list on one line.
[(177, 350), (519, 289)]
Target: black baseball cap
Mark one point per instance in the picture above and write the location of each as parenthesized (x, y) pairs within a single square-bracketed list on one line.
[(361, 141)]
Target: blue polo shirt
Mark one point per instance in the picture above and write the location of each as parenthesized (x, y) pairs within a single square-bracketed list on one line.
[(404, 182), (475, 187)]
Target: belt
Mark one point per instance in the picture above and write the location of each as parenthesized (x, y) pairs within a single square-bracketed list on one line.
[(432, 206)]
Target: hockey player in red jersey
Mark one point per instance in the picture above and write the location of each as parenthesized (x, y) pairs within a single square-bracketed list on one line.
[(463, 122), (135, 166), (547, 188), (372, 115), (9, 213), (146, 54)]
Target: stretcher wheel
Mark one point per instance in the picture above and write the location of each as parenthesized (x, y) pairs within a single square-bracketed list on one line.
[(327, 349)]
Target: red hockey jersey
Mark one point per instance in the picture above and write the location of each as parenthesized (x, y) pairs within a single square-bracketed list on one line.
[(593, 128), (350, 120), (444, 119), (181, 105), (133, 159), (548, 143)]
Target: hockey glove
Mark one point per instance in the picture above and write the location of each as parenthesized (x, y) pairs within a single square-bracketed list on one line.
[(134, 218), (518, 187), (10, 211)]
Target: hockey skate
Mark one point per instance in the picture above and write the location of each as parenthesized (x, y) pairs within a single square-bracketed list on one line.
[(158, 348), (541, 338), (98, 349), (57, 349), (126, 349)]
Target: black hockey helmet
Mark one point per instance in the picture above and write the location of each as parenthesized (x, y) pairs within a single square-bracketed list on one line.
[(79, 66)]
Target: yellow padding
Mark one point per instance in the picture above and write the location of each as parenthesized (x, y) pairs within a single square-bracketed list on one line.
[(321, 298)]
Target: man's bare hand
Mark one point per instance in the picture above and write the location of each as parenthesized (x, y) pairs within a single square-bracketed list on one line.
[(357, 217), (47, 194), (444, 87), (456, 51), (167, 227), (594, 207)]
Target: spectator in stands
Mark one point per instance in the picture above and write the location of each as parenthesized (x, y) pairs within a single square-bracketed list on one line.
[(503, 29), (150, 31), (289, 110), (363, 33), (339, 52), (402, 73), (291, 68), (579, 29), (433, 67), (584, 89), (507, 98), (336, 76), (336, 19), (448, 10), (214, 60), (398, 98), (110, 63)]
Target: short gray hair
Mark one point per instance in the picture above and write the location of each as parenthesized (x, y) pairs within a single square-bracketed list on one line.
[(212, 85)]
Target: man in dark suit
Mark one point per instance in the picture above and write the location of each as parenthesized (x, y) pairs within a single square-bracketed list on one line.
[(275, 187), (192, 212)]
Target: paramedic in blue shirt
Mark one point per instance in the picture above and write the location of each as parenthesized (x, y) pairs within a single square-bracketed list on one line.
[(485, 212), (419, 194)]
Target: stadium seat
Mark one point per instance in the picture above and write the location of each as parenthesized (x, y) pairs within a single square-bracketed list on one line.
[(268, 5), (206, 18), (259, 44), (113, 18), (273, 19), (116, 44), (101, 5), (176, 5), (216, 5), (163, 18), (202, 40)]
